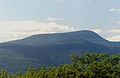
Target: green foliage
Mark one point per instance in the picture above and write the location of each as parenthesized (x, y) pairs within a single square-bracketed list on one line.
[(84, 66)]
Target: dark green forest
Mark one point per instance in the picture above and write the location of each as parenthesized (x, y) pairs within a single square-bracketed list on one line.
[(82, 66)]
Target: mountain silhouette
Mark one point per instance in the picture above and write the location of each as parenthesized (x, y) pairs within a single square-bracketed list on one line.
[(54, 49)]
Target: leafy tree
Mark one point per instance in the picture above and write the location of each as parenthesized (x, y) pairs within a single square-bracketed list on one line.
[(82, 66)]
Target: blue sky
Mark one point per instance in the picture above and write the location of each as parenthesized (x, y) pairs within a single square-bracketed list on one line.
[(101, 16)]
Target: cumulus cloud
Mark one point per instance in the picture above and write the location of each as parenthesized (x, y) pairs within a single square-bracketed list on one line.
[(54, 19), (97, 30), (115, 31), (60, 1), (113, 34), (118, 22), (12, 30), (114, 38), (114, 10)]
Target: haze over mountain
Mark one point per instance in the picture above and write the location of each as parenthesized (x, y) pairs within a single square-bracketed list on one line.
[(48, 49)]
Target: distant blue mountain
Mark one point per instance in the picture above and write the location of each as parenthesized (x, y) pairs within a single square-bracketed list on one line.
[(48, 49)]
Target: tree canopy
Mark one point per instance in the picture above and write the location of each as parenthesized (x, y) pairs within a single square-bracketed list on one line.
[(82, 66)]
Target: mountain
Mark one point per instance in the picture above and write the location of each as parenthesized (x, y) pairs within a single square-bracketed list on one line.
[(48, 49)]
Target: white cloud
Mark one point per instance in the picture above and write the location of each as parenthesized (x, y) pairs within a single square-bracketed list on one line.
[(60, 1), (118, 22), (111, 34), (114, 38), (114, 10), (115, 31), (12, 30), (54, 19), (97, 30)]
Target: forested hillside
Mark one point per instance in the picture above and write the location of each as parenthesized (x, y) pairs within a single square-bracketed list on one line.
[(53, 49), (82, 66)]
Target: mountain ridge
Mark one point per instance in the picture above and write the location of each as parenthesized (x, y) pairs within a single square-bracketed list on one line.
[(47, 49)]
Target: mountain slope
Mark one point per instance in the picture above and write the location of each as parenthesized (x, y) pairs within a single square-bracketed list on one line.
[(47, 49), (45, 39)]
